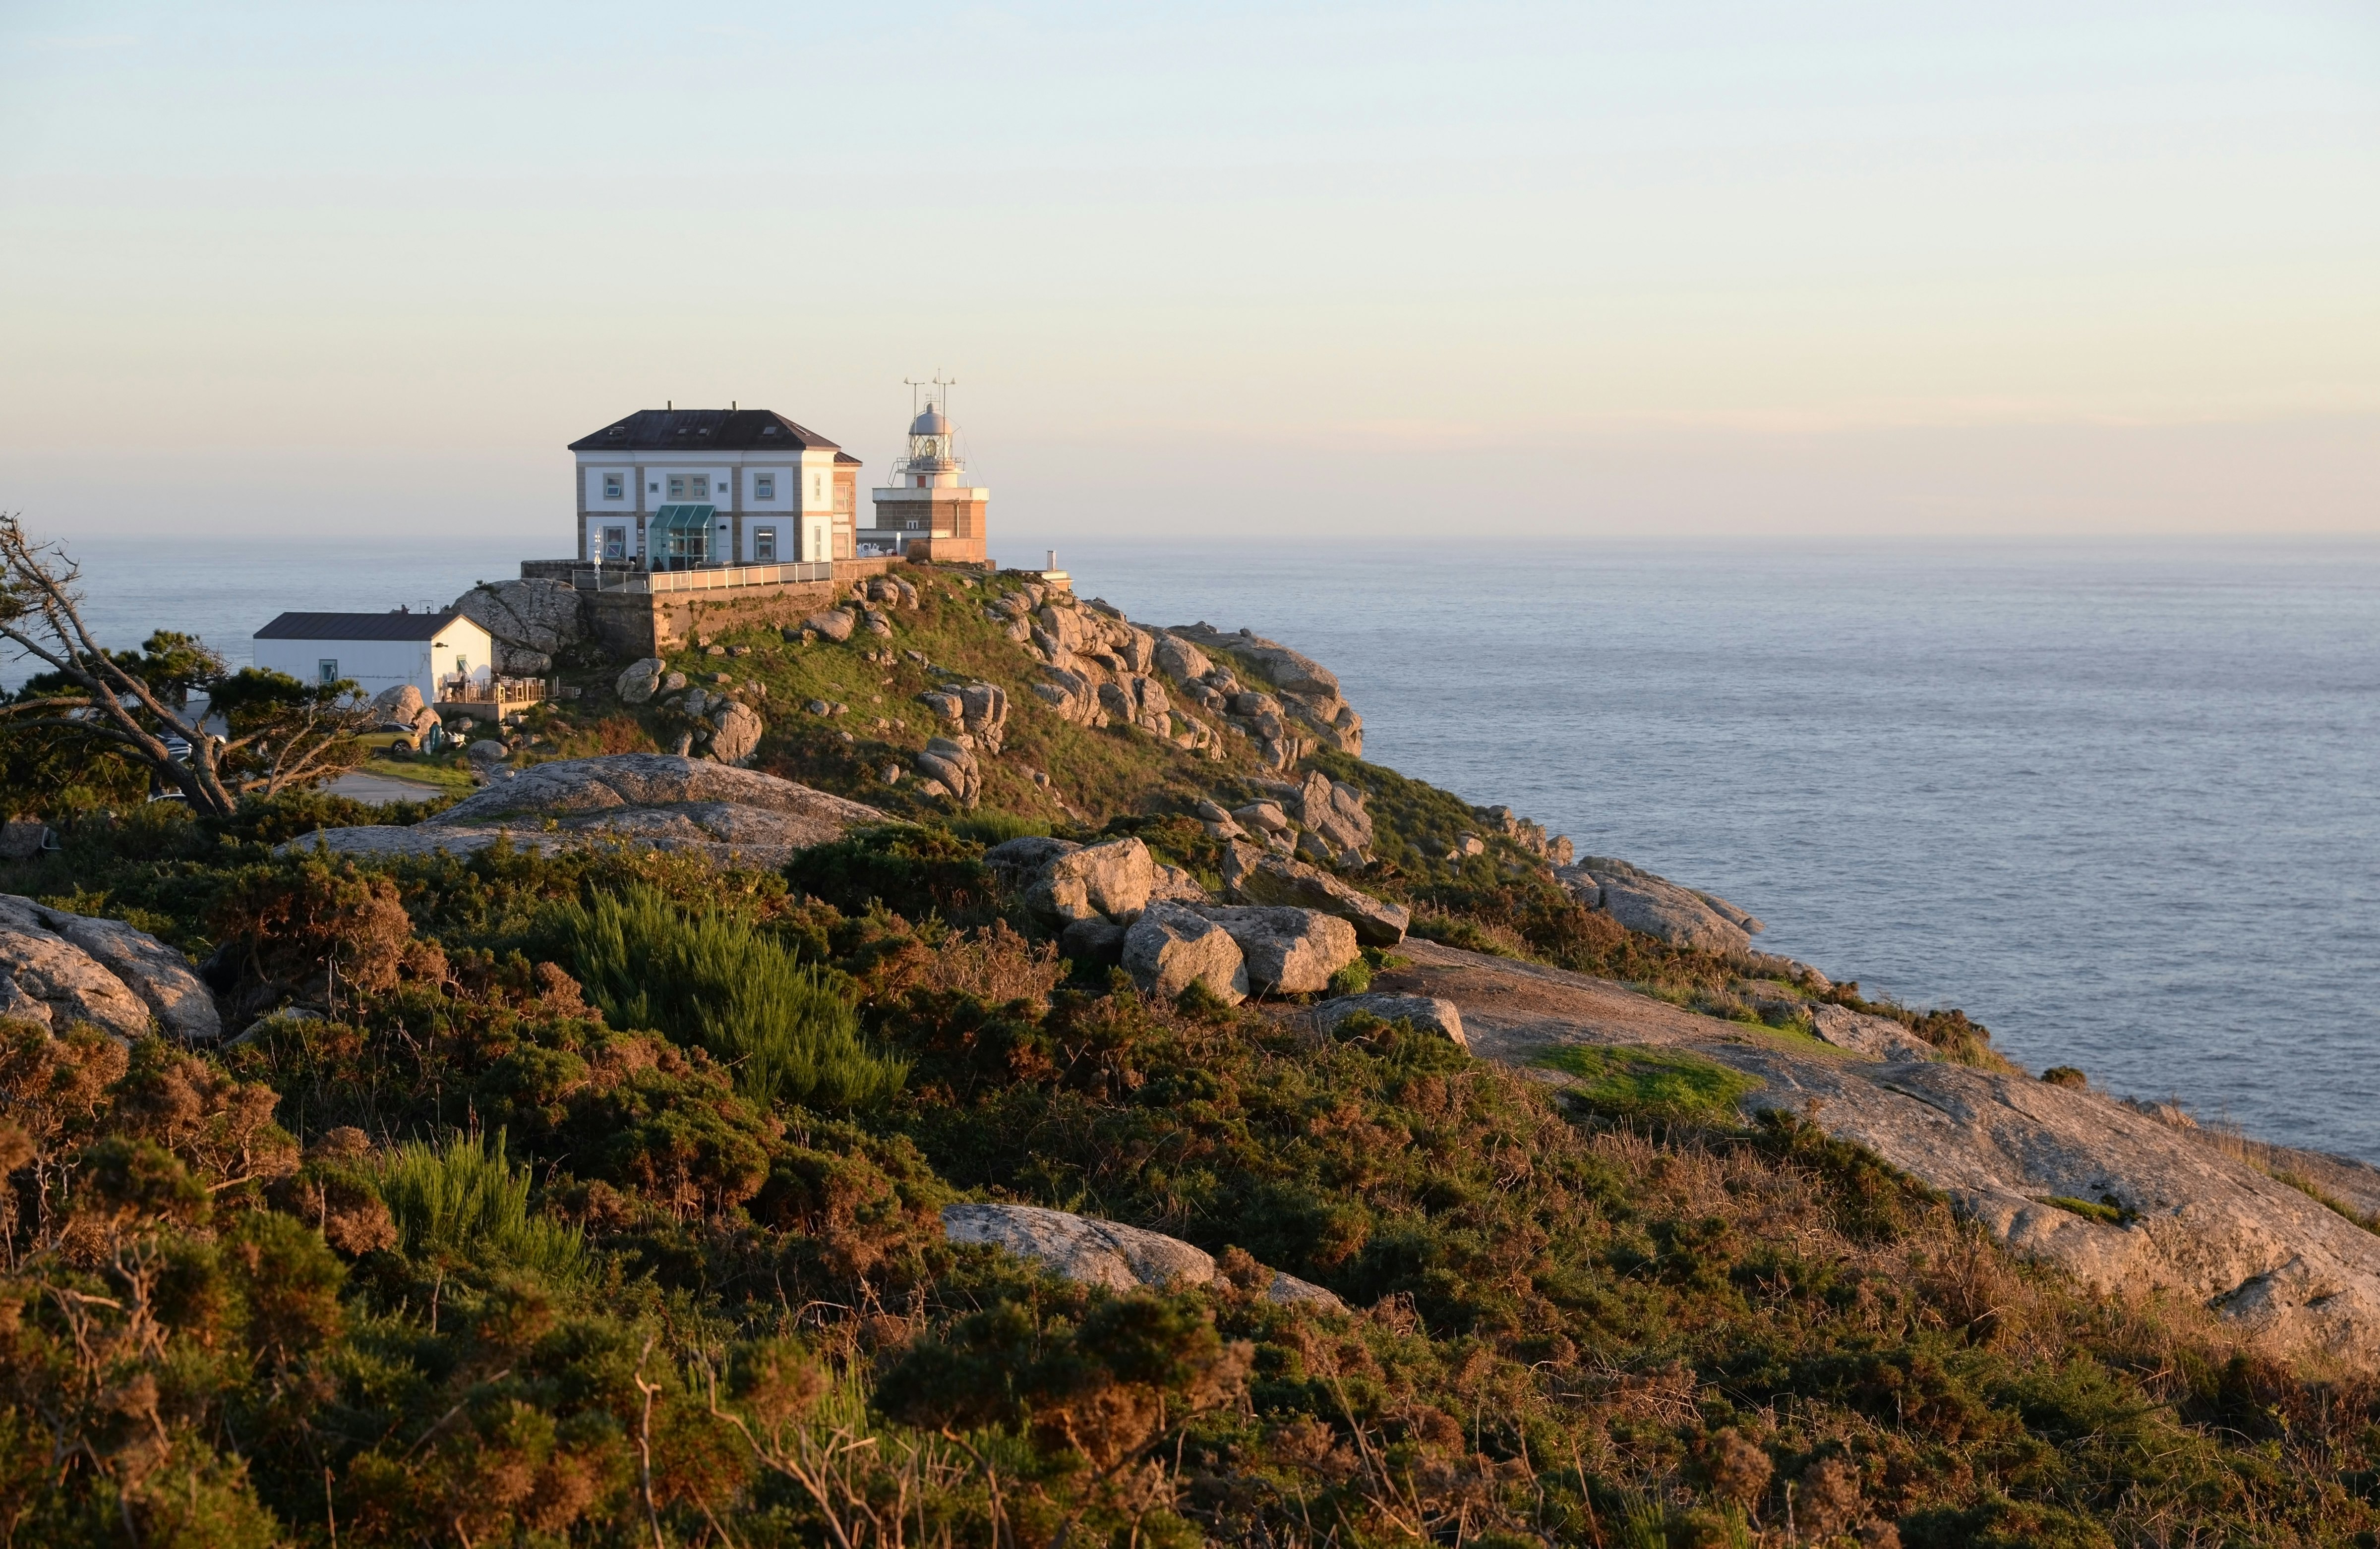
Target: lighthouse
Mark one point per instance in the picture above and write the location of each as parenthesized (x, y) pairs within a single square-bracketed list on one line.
[(930, 512)]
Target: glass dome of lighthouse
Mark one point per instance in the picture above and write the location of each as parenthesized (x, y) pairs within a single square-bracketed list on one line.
[(933, 459)]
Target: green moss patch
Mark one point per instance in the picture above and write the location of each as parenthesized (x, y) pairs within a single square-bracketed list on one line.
[(2106, 1215), (1652, 1082)]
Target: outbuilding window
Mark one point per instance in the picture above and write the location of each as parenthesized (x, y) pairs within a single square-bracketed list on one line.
[(329, 668)]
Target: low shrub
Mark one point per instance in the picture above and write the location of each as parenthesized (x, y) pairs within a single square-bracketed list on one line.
[(715, 979)]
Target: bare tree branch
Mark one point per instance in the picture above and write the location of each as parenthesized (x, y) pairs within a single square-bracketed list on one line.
[(278, 733)]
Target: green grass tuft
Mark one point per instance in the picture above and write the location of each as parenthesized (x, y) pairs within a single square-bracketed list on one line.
[(1650, 1082), (715, 979), (467, 1201)]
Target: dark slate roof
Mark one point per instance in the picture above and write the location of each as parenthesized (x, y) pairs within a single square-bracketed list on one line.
[(704, 430), (356, 626)]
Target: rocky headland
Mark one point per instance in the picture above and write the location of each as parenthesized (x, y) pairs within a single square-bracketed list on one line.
[(1088, 894)]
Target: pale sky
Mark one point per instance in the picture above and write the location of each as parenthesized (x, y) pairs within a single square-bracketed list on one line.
[(1209, 270)]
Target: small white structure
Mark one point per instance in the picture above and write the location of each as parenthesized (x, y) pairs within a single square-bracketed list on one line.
[(379, 650)]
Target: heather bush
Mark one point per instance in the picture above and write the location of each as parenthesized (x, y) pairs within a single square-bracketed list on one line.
[(535, 1240)]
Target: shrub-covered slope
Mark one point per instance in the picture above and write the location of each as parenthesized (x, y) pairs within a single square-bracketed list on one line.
[(514, 1245)]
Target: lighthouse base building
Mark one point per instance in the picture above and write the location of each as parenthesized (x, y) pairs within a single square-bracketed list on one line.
[(929, 512)]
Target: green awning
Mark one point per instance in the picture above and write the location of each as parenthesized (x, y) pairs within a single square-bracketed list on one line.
[(671, 520)]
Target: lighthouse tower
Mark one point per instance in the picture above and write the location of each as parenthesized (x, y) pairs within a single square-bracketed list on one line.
[(930, 512)]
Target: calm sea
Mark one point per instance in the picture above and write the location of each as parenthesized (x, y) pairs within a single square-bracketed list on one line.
[(2121, 803)]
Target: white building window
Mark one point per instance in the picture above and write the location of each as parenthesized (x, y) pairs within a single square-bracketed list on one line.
[(615, 543), (764, 486), (615, 487), (764, 546), (329, 668), (818, 489), (690, 486)]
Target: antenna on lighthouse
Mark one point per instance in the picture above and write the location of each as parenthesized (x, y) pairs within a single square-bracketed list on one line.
[(939, 399)]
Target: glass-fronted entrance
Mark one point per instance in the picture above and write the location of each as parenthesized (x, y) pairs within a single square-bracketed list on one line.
[(678, 538)]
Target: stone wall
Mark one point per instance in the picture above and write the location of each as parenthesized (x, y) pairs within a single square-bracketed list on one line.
[(637, 625)]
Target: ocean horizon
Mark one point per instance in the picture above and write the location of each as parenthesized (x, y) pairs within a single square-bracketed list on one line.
[(2118, 799)]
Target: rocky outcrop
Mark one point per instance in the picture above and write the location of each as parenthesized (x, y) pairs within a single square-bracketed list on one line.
[(639, 681), (668, 802), (395, 710), (1172, 946), (58, 969), (1334, 812), (833, 623), (533, 622), (401, 710), (1282, 668), (1877, 1037), (979, 709), (950, 763), (1309, 695), (1120, 1258), (1099, 666), (1181, 660), (1061, 881), (1427, 1013), (737, 732), (1531, 836), (1251, 876), (2193, 1219), (983, 712), (1658, 907), (1288, 951)]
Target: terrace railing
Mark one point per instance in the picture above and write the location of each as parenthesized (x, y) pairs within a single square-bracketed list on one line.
[(497, 690), (605, 578)]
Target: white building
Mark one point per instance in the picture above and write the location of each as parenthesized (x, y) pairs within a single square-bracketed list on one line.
[(379, 651), (683, 489)]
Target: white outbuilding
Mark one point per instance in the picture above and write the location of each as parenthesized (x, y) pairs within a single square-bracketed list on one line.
[(431, 651)]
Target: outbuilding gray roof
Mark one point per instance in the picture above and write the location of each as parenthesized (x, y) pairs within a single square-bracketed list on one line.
[(358, 626), (708, 431)]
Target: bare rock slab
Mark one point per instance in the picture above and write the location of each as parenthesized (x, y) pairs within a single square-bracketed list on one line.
[(658, 799), (1878, 1037), (1655, 906), (58, 968), (1096, 1252)]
